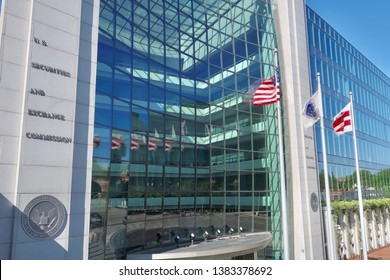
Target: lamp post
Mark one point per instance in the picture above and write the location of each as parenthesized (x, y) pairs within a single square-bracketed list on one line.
[(218, 234), (177, 238), (231, 232), (205, 235)]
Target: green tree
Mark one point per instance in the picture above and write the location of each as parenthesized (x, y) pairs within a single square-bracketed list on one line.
[(333, 183)]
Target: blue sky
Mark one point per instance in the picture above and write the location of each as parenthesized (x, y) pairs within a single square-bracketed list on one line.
[(365, 24)]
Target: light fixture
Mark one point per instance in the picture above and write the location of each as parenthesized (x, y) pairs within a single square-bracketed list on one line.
[(177, 238), (205, 235), (241, 230), (218, 233), (231, 230), (192, 237)]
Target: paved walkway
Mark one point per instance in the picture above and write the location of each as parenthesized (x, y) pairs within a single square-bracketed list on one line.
[(377, 254), (380, 254)]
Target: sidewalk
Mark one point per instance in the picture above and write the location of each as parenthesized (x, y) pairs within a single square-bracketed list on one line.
[(382, 253)]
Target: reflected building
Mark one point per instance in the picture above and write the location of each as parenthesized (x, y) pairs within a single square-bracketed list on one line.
[(154, 100)]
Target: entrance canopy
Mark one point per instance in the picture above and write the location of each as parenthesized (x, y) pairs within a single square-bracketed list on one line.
[(217, 249)]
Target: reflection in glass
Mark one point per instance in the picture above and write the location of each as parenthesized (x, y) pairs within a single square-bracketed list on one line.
[(179, 139)]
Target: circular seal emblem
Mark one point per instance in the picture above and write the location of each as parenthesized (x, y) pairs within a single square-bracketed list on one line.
[(314, 202), (44, 217)]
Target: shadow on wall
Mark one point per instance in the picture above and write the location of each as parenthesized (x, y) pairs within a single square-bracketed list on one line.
[(17, 244), (82, 156)]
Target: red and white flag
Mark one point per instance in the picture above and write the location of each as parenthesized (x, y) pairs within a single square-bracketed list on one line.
[(96, 141), (152, 144), (116, 142), (135, 143), (342, 121), (268, 92), (168, 145)]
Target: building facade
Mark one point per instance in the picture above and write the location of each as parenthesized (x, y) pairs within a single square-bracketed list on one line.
[(344, 69), (129, 123), (48, 66)]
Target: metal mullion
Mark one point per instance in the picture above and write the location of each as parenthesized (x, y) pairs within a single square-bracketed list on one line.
[(127, 20), (109, 20), (142, 18), (140, 27)]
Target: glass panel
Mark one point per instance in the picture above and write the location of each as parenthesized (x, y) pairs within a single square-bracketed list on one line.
[(103, 109), (121, 115), (135, 236), (120, 146), (174, 125), (101, 142), (123, 84), (115, 247)]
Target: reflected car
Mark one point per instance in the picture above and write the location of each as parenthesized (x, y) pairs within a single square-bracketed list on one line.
[(96, 220)]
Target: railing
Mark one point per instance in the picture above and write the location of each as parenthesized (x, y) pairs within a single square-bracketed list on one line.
[(347, 233)]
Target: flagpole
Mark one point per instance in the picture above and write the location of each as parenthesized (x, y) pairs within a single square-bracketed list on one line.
[(361, 212), (331, 244), (283, 199)]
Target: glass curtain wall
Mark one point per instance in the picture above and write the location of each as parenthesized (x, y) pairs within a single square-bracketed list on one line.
[(343, 70), (178, 147)]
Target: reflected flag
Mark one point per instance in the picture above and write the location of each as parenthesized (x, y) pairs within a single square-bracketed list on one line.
[(116, 142), (183, 133), (208, 129), (173, 133), (96, 141), (152, 144), (183, 127), (168, 145), (342, 121), (135, 143)]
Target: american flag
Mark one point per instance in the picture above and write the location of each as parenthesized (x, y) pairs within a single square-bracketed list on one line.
[(268, 92), (96, 141), (116, 142), (135, 143), (168, 145), (342, 121), (152, 145)]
